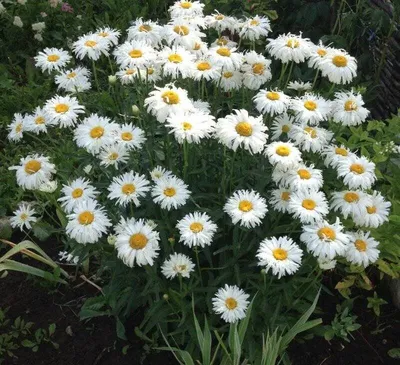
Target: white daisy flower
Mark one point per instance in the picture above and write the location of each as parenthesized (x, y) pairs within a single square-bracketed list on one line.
[(289, 47), (304, 177), (242, 130), (23, 217), (94, 132), (128, 75), (350, 202), (325, 240), (132, 54), (113, 155), (87, 223), (254, 28), (203, 69), (256, 70), (176, 61), (230, 80), (231, 303), (186, 9), (271, 102), (339, 67), (33, 171), (308, 205), (199, 49), (310, 138), (281, 126), (180, 33), (92, 46), (279, 199), (177, 265), (138, 243), (310, 108), (284, 154), (164, 100), (299, 86), (246, 207), (200, 106), (74, 80), (221, 22), (196, 229), (190, 126), (77, 191), (335, 154), (16, 128), (280, 175), (317, 54), (362, 249), (160, 172), (170, 192), (223, 41), (63, 110), (326, 264), (49, 186), (226, 58), (348, 109), (145, 31), (150, 74), (110, 34), (357, 172), (128, 188), (280, 255), (130, 136), (375, 214), (51, 59)]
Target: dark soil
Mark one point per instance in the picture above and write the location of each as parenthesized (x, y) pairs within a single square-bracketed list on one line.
[(95, 342)]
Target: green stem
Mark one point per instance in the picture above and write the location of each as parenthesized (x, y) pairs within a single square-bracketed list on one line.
[(185, 159), (283, 70), (95, 75), (290, 73), (315, 79), (198, 264)]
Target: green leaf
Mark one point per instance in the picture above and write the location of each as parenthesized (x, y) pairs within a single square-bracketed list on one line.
[(394, 353), (52, 329), (28, 343)]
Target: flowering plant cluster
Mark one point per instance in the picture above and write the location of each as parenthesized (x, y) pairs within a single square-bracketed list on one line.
[(224, 179)]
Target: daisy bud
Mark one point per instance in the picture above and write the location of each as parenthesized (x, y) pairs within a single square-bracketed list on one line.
[(49, 186), (112, 79), (165, 297), (87, 169), (111, 239), (135, 110), (18, 22), (263, 272), (171, 240)]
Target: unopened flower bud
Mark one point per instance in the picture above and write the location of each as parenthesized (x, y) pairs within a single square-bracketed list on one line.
[(111, 239), (112, 79), (165, 297), (135, 110)]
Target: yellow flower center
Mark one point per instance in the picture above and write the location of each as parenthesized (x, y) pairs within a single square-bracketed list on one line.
[(186, 5), (170, 192), (138, 241), (227, 75), (285, 128), (371, 209), (136, 53), (357, 168), (258, 69), (285, 196), (32, 167), (311, 131), (187, 126), (231, 303), (341, 151), (126, 136), (24, 216), (113, 156), (71, 75), (310, 105), (103, 34), (61, 108), (361, 245), (272, 95), (350, 106), (175, 58), (322, 52), (53, 58), (181, 29), (150, 71), (351, 197), (145, 28), (180, 268), (326, 233), (308, 204), (97, 132), (339, 61), (224, 51), (292, 43), (245, 206), (283, 151), (197, 46), (203, 66), (196, 227), (39, 120), (170, 97), (77, 193), (304, 174), (86, 218), (254, 22), (280, 254), (244, 129), (90, 44), (130, 71), (222, 41), (219, 17), (18, 128), (128, 189)]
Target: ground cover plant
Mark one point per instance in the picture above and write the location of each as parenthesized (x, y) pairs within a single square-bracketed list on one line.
[(185, 164)]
